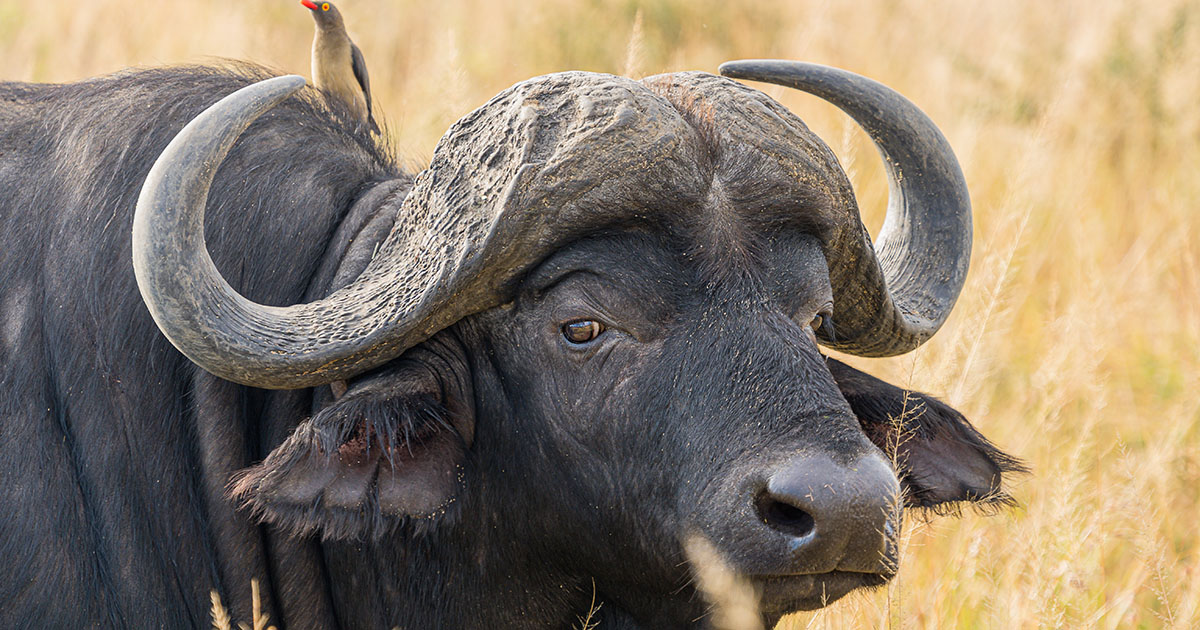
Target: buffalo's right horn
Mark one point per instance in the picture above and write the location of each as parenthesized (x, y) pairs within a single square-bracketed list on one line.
[(891, 298), (502, 192), (352, 330)]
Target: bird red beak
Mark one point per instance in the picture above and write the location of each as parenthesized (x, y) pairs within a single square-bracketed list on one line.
[(309, 4)]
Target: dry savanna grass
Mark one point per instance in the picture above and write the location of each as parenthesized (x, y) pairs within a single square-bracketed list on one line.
[(1076, 344), (221, 619)]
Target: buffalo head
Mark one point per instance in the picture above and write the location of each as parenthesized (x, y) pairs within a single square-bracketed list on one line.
[(593, 332)]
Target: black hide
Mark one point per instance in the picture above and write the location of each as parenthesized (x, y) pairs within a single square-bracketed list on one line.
[(116, 451), (495, 476)]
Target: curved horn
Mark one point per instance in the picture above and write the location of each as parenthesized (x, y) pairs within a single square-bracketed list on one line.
[(891, 298), (197, 310), (503, 191)]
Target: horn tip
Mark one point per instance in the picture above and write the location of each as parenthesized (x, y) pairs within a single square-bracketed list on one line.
[(289, 82), (751, 69), (732, 69)]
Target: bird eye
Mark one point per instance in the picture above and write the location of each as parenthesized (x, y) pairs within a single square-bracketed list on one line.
[(823, 322), (582, 331), (325, 6)]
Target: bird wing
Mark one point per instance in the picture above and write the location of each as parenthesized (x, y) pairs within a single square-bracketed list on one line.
[(359, 65)]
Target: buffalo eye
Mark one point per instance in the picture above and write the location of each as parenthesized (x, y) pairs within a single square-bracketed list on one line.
[(817, 322), (582, 331)]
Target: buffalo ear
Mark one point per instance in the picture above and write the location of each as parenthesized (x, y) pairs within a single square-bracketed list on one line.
[(386, 450), (941, 459)]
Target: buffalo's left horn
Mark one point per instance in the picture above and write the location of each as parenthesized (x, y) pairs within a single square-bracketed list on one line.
[(891, 298)]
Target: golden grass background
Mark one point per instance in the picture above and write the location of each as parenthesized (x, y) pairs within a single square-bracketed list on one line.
[(1076, 344)]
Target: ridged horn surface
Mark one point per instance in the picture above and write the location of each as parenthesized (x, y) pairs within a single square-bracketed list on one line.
[(894, 296)]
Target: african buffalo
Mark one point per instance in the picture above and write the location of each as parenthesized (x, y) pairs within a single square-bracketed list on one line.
[(477, 397)]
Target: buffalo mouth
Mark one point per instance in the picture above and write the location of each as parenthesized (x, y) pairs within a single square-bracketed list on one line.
[(783, 594), (777, 593)]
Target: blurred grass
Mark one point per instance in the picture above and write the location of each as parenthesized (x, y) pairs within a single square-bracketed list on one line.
[(1077, 341)]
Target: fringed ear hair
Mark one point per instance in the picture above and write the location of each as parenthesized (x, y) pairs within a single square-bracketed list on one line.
[(384, 451), (943, 462)]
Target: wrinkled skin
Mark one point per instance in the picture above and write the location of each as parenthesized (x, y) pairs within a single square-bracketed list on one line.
[(615, 450), (526, 477), (659, 436)]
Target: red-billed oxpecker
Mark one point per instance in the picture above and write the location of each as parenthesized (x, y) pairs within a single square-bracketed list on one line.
[(338, 67)]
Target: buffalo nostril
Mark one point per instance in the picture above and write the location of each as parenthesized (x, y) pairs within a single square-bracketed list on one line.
[(833, 514), (784, 517)]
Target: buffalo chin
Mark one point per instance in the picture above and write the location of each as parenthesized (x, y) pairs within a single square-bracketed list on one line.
[(781, 595)]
